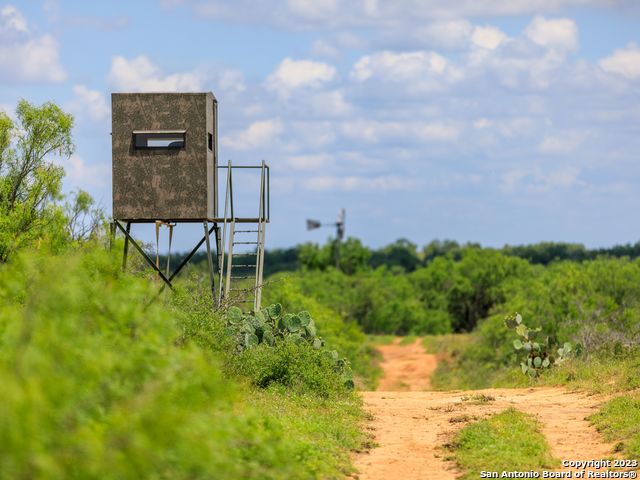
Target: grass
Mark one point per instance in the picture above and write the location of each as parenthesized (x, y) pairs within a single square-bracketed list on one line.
[(320, 433), (507, 441), (619, 421), (463, 365), (450, 373), (408, 340), (378, 340), (97, 385), (478, 399), (613, 372), (447, 345), (598, 374)]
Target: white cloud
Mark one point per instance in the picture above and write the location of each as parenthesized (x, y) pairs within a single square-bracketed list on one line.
[(12, 22), (624, 61), (332, 14), (257, 135), (24, 57), (436, 131), (537, 180), (93, 102), (398, 66), (448, 34), (563, 143), (83, 175), (560, 34), (416, 72), (328, 104), (563, 178), (488, 37), (314, 161), (232, 81), (310, 134), (374, 131), (141, 75), (482, 122), (292, 74), (314, 10), (359, 183), (518, 67), (322, 48)]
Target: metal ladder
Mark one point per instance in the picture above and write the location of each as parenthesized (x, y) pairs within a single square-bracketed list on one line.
[(241, 270)]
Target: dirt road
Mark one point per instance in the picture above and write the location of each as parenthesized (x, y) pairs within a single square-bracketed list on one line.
[(410, 425)]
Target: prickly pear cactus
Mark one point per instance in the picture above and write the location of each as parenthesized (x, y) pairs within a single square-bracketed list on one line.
[(271, 325), (539, 353)]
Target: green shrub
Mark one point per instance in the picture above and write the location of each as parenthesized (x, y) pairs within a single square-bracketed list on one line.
[(277, 347), (293, 366), (338, 334), (96, 384)]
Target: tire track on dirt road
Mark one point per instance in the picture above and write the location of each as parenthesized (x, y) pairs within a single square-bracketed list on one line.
[(410, 424)]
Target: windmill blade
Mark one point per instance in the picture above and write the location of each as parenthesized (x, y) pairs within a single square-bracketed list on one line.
[(313, 224)]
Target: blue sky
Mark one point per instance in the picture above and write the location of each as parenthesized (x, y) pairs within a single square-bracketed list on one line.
[(487, 121)]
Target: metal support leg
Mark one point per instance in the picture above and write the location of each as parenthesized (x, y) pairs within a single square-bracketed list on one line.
[(210, 262), (219, 252), (186, 259), (112, 234), (191, 254), (143, 253), (126, 244)]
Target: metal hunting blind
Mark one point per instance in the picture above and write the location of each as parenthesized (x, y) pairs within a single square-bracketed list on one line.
[(165, 172), (164, 156)]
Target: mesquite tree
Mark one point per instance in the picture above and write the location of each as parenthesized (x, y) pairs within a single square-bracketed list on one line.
[(29, 181)]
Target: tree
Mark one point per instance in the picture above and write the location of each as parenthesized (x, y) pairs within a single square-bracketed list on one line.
[(402, 253), (353, 256), (482, 275), (85, 220), (29, 181), (314, 257)]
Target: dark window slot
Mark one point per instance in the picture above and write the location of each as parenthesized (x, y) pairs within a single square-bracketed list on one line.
[(159, 140)]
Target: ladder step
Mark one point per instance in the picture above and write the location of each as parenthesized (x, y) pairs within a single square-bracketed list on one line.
[(244, 266), (241, 277), (245, 243), (243, 254), (245, 231)]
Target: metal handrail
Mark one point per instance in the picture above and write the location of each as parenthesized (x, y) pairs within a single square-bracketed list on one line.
[(260, 240), (227, 201), (230, 219), (267, 182)]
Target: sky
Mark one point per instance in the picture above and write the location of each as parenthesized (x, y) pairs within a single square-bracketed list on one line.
[(491, 121)]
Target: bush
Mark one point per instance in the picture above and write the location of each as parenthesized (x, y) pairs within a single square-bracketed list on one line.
[(98, 385), (293, 366), (343, 336), (275, 332)]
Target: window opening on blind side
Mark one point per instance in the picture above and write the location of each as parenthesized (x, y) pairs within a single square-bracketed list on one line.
[(168, 139)]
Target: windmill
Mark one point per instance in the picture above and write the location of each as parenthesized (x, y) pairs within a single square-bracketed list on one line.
[(339, 224), (340, 228)]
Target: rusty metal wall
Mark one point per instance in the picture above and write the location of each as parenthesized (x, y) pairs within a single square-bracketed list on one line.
[(163, 184)]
